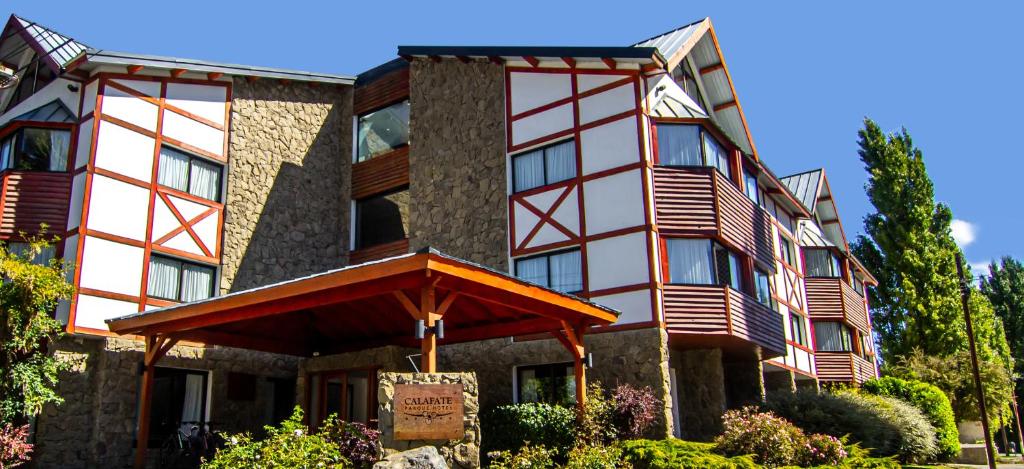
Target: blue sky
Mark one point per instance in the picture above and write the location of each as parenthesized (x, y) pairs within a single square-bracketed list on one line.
[(806, 73)]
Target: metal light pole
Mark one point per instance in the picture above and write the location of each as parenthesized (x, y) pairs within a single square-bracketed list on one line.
[(965, 295)]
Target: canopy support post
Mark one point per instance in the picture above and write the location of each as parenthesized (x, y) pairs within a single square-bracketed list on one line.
[(156, 348), (428, 345), (572, 340)]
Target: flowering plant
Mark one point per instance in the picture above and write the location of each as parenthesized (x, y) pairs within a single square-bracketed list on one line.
[(822, 450), (14, 446)]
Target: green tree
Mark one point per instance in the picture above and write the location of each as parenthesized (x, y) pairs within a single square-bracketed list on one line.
[(29, 294), (1004, 287)]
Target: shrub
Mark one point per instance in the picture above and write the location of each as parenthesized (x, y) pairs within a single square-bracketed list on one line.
[(673, 453), (14, 446), (634, 410), (886, 425), (510, 427), (931, 401), (290, 445), (527, 457), (821, 450), (595, 425), (771, 440), (357, 442), (595, 457)]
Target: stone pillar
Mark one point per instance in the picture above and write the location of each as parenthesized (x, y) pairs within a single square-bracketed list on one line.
[(744, 382), (701, 388), (779, 381), (463, 453)]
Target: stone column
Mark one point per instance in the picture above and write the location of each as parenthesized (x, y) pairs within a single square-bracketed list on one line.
[(701, 387), (744, 382), (779, 381)]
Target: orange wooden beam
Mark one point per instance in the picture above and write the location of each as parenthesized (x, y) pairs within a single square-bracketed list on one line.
[(133, 69), (177, 72), (531, 60), (610, 62)]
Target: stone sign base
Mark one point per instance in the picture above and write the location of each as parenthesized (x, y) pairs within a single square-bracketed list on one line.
[(459, 453)]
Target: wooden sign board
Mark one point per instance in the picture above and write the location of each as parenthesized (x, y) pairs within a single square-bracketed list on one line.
[(429, 412)]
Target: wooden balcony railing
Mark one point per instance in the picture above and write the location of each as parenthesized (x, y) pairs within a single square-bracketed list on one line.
[(834, 300), (843, 367), (29, 198), (703, 202), (722, 311)]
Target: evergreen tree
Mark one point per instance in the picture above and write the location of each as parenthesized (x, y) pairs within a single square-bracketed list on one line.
[(1004, 287)]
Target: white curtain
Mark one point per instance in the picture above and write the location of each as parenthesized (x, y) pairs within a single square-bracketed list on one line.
[(679, 145), (192, 410), (528, 170), (715, 155), (533, 270), (164, 277), (566, 272), (196, 282), (60, 141), (821, 263), (832, 337), (205, 180), (560, 161), (751, 186), (689, 261), (173, 171)]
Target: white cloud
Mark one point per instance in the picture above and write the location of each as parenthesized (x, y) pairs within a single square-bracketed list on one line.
[(963, 232), (979, 268)]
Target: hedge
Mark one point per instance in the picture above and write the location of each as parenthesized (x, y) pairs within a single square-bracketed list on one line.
[(931, 401), (673, 453), (510, 427)]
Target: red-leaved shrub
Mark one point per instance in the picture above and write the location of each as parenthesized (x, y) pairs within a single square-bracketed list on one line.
[(635, 410), (359, 443), (14, 446)]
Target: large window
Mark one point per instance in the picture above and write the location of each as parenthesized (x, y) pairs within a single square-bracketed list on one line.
[(832, 337), (786, 248), (175, 280), (750, 186), (36, 149), (188, 173), (857, 284), (690, 145), (552, 383), (544, 166), (178, 403), (383, 131), (382, 219), (561, 271), (822, 263), (34, 78), (702, 262), (763, 289), (798, 326)]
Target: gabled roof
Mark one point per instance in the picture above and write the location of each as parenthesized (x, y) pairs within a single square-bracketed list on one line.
[(53, 111), (58, 50), (805, 187), (677, 40)]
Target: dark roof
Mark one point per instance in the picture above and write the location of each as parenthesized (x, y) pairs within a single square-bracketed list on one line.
[(381, 70), (53, 111), (533, 51), (126, 58)]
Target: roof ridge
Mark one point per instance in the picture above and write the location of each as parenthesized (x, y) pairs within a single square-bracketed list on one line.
[(822, 169), (637, 43)]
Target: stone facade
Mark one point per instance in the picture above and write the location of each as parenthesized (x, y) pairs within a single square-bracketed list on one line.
[(464, 453), (700, 386), (779, 381), (95, 427), (288, 179), (457, 178), (638, 357)]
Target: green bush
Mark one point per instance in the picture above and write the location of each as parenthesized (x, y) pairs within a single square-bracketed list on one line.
[(290, 445), (673, 453), (886, 425), (769, 439), (595, 457), (931, 401), (510, 427), (527, 457)]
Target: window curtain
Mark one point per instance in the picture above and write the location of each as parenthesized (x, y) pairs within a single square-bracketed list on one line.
[(566, 272), (764, 291), (832, 337), (796, 324), (205, 180), (751, 185), (560, 161), (164, 278), (528, 170), (689, 261), (173, 171), (196, 283), (821, 263), (715, 155), (192, 409), (679, 145), (60, 141), (533, 270)]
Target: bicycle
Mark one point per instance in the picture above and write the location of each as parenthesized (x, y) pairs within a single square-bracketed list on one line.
[(184, 449)]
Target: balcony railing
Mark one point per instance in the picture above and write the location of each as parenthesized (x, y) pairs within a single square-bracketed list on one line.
[(721, 311), (29, 198), (833, 299), (703, 202), (843, 367)]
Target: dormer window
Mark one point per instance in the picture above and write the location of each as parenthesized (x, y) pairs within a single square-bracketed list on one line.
[(691, 145), (36, 149)]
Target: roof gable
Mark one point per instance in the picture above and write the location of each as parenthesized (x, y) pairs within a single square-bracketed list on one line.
[(805, 187), (57, 50)]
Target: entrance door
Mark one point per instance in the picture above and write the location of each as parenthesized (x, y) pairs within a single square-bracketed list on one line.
[(350, 395)]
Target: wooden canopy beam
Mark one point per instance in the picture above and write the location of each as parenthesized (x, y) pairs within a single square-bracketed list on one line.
[(531, 60), (156, 348), (571, 338), (610, 62)]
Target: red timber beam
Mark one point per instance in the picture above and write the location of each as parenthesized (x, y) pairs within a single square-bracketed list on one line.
[(571, 338), (156, 348), (428, 311)]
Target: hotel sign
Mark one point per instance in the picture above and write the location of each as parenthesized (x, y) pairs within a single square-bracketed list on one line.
[(428, 412)]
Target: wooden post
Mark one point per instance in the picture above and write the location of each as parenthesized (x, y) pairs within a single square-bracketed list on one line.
[(156, 348), (572, 340), (428, 346)]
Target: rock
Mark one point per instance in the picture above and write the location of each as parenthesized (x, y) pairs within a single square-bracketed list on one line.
[(424, 457)]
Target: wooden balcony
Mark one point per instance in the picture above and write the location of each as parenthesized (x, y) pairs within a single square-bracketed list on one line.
[(702, 202), (718, 316), (29, 198), (843, 367), (832, 299)]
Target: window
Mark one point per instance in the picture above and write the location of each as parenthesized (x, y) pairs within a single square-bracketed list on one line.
[(382, 219), (42, 258), (865, 345), (383, 131), (750, 185), (171, 279), (178, 403), (684, 78), (702, 262), (798, 326), (561, 271), (832, 337), (552, 383), (544, 166), (786, 249), (348, 394), (35, 149), (821, 263), (34, 78), (690, 145), (857, 284), (762, 289), (188, 173)]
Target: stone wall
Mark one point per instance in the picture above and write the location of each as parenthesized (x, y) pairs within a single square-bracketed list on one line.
[(463, 453), (779, 381), (700, 383), (457, 179), (288, 176), (95, 427), (638, 357)]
